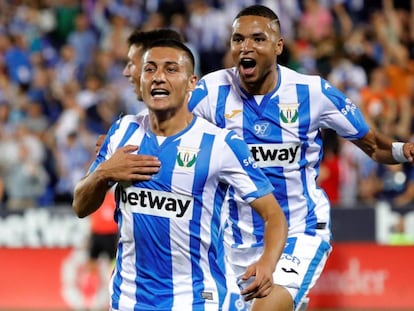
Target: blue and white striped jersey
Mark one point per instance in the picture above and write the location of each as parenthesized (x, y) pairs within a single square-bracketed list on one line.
[(282, 129), (170, 253)]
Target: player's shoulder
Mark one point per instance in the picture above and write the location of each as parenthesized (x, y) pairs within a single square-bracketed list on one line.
[(210, 128), (289, 75), (209, 86), (223, 141), (225, 76), (222, 136), (132, 120)]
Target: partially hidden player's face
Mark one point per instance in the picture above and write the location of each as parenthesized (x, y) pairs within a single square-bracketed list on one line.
[(255, 45), (167, 78), (132, 70)]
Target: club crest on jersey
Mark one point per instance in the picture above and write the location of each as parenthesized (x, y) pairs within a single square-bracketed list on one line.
[(186, 156), (289, 113)]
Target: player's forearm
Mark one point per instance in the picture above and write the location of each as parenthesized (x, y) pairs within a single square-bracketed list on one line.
[(377, 146), (276, 229), (274, 239), (392, 152), (89, 194)]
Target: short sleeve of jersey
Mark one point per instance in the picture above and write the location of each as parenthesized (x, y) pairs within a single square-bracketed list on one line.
[(112, 140), (198, 103), (240, 170), (341, 114)]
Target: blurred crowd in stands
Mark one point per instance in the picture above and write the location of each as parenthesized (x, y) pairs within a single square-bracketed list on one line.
[(61, 83)]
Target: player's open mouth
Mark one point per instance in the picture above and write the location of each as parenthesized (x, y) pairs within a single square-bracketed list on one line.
[(247, 65), (159, 93)]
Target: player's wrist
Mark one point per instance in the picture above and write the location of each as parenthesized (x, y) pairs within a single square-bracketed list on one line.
[(398, 152), (103, 177)]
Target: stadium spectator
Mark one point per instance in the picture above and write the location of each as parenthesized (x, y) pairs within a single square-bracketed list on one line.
[(346, 75), (210, 42), (114, 40), (25, 178), (378, 102), (316, 22), (17, 59), (83, 38), (67, 67), (329, 178), (73, 158), (64, 13)]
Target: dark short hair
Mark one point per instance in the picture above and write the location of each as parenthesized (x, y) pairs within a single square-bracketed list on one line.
[(259, 10), (171, 43), (145, 38)]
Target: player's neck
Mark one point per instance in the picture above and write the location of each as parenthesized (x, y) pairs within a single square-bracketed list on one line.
[(171, 122), (262, 86)]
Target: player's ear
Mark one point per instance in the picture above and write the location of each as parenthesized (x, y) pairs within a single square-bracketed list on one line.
[(192, 82), (279, 46)]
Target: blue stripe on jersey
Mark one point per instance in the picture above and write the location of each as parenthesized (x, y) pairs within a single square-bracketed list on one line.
[(258, 227), (249, 121), (197, 94), (200, 175), (274, 173), (166, 154), (217, 235), (118, 267), (117, 279), (237, 145), (128, 133), (319, 142), (223, 92), (258, 108), (258, 224), (155, 282), (234, 216), (159, 229), (304, 121), (322, 250), (280, 191)]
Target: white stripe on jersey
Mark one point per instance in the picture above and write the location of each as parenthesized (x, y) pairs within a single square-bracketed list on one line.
[(170, 255), (283, 132)]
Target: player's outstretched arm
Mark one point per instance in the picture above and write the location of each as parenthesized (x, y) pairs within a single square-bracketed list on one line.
[(274, 242), (383, 150)]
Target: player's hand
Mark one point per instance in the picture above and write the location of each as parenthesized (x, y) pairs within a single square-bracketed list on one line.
[(257, 281), (408, 150), (126, 165)]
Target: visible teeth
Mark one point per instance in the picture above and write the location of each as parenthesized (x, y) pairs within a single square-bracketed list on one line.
[(159, 92)]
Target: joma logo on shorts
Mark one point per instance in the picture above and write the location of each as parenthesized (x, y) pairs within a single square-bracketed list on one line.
[(268, 155), (157, 203)]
